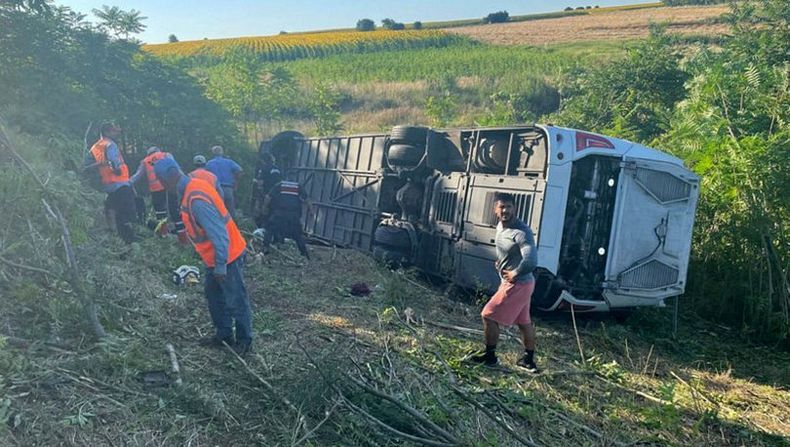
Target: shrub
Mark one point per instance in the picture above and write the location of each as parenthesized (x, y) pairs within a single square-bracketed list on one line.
[(417, 25), (366, 25), (172, 38)]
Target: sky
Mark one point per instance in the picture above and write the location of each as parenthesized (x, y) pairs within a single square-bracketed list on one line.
[(198, 19)]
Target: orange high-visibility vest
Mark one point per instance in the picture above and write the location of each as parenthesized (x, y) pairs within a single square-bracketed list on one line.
[(108, 175), (204, 174), (154, 184), (199, 189)]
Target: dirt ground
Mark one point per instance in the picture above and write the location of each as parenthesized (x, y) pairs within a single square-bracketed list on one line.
[(601, 26)]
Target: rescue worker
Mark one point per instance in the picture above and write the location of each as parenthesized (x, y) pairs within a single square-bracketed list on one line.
[(517, 257), (164, 202), (106, 160), (282, 211), (266, 176), (227, 172), (200, 171), (221, 246)]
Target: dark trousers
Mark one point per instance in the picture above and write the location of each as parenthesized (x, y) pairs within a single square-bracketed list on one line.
[(281, 226), (228, 302), (230, 199), (122, 203), (165, 203)]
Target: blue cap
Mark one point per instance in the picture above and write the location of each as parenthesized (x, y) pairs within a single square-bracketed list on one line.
[(164, 165)]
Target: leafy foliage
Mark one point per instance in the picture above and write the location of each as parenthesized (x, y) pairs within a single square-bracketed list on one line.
[(324, 107), (734, 128), (98, 78), (366, 25), (631, 98), (120, 22), (497, 17), (725, 110)]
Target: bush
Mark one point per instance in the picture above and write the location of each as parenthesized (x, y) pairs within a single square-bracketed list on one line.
[(392, 25), (366, 25), (630, 98), (568, 8), (497, 17), (172, 38), (417, 25)]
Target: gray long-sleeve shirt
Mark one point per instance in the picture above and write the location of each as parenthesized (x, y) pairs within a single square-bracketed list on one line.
[(208, 217), (516, 250)]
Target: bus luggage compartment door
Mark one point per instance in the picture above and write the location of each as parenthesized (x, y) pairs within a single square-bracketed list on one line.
[(476, 249), (651, 233)]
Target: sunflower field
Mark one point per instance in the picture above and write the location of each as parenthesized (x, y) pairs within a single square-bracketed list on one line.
[(285, 47)]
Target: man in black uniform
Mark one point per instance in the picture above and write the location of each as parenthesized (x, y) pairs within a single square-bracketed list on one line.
[(282, 210), (267, 175)]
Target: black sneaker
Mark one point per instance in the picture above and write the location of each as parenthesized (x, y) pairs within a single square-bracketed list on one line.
[(483, 358), (216, 343), (528, 365)]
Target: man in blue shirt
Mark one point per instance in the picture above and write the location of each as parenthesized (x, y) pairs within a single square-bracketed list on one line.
[(228, 173)]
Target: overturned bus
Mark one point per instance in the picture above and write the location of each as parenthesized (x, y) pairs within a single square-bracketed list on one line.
[(612, 219)]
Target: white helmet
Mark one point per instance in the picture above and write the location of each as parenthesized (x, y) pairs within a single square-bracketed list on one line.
[(186, 274)]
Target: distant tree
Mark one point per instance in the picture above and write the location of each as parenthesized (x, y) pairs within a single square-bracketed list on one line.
[(596, 7), (580, 8), (568, 8), (172, 38), (119, 22), (497, 17), (391, 24), (283, 32), (366, 25), (417, 25)]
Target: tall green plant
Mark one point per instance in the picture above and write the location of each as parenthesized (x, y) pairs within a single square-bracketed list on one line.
[(631, 98), (734, 128), (325, 109)]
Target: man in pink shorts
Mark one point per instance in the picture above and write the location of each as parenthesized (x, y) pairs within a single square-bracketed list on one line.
[(517, 257)]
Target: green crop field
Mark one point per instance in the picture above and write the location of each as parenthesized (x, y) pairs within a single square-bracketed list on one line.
[(507, 64)]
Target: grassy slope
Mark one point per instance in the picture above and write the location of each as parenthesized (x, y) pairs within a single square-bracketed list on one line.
[(78, 393)]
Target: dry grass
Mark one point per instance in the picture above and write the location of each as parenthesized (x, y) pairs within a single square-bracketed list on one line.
[(604, 26), (314, 340)]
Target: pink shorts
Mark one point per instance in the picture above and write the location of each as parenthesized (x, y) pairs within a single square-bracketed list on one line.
[(510, 304)]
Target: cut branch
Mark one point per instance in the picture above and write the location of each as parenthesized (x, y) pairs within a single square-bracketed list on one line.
[(26, 267), (393, 430), (491, 416), (171, 351), (414, 413), (268, 385)]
